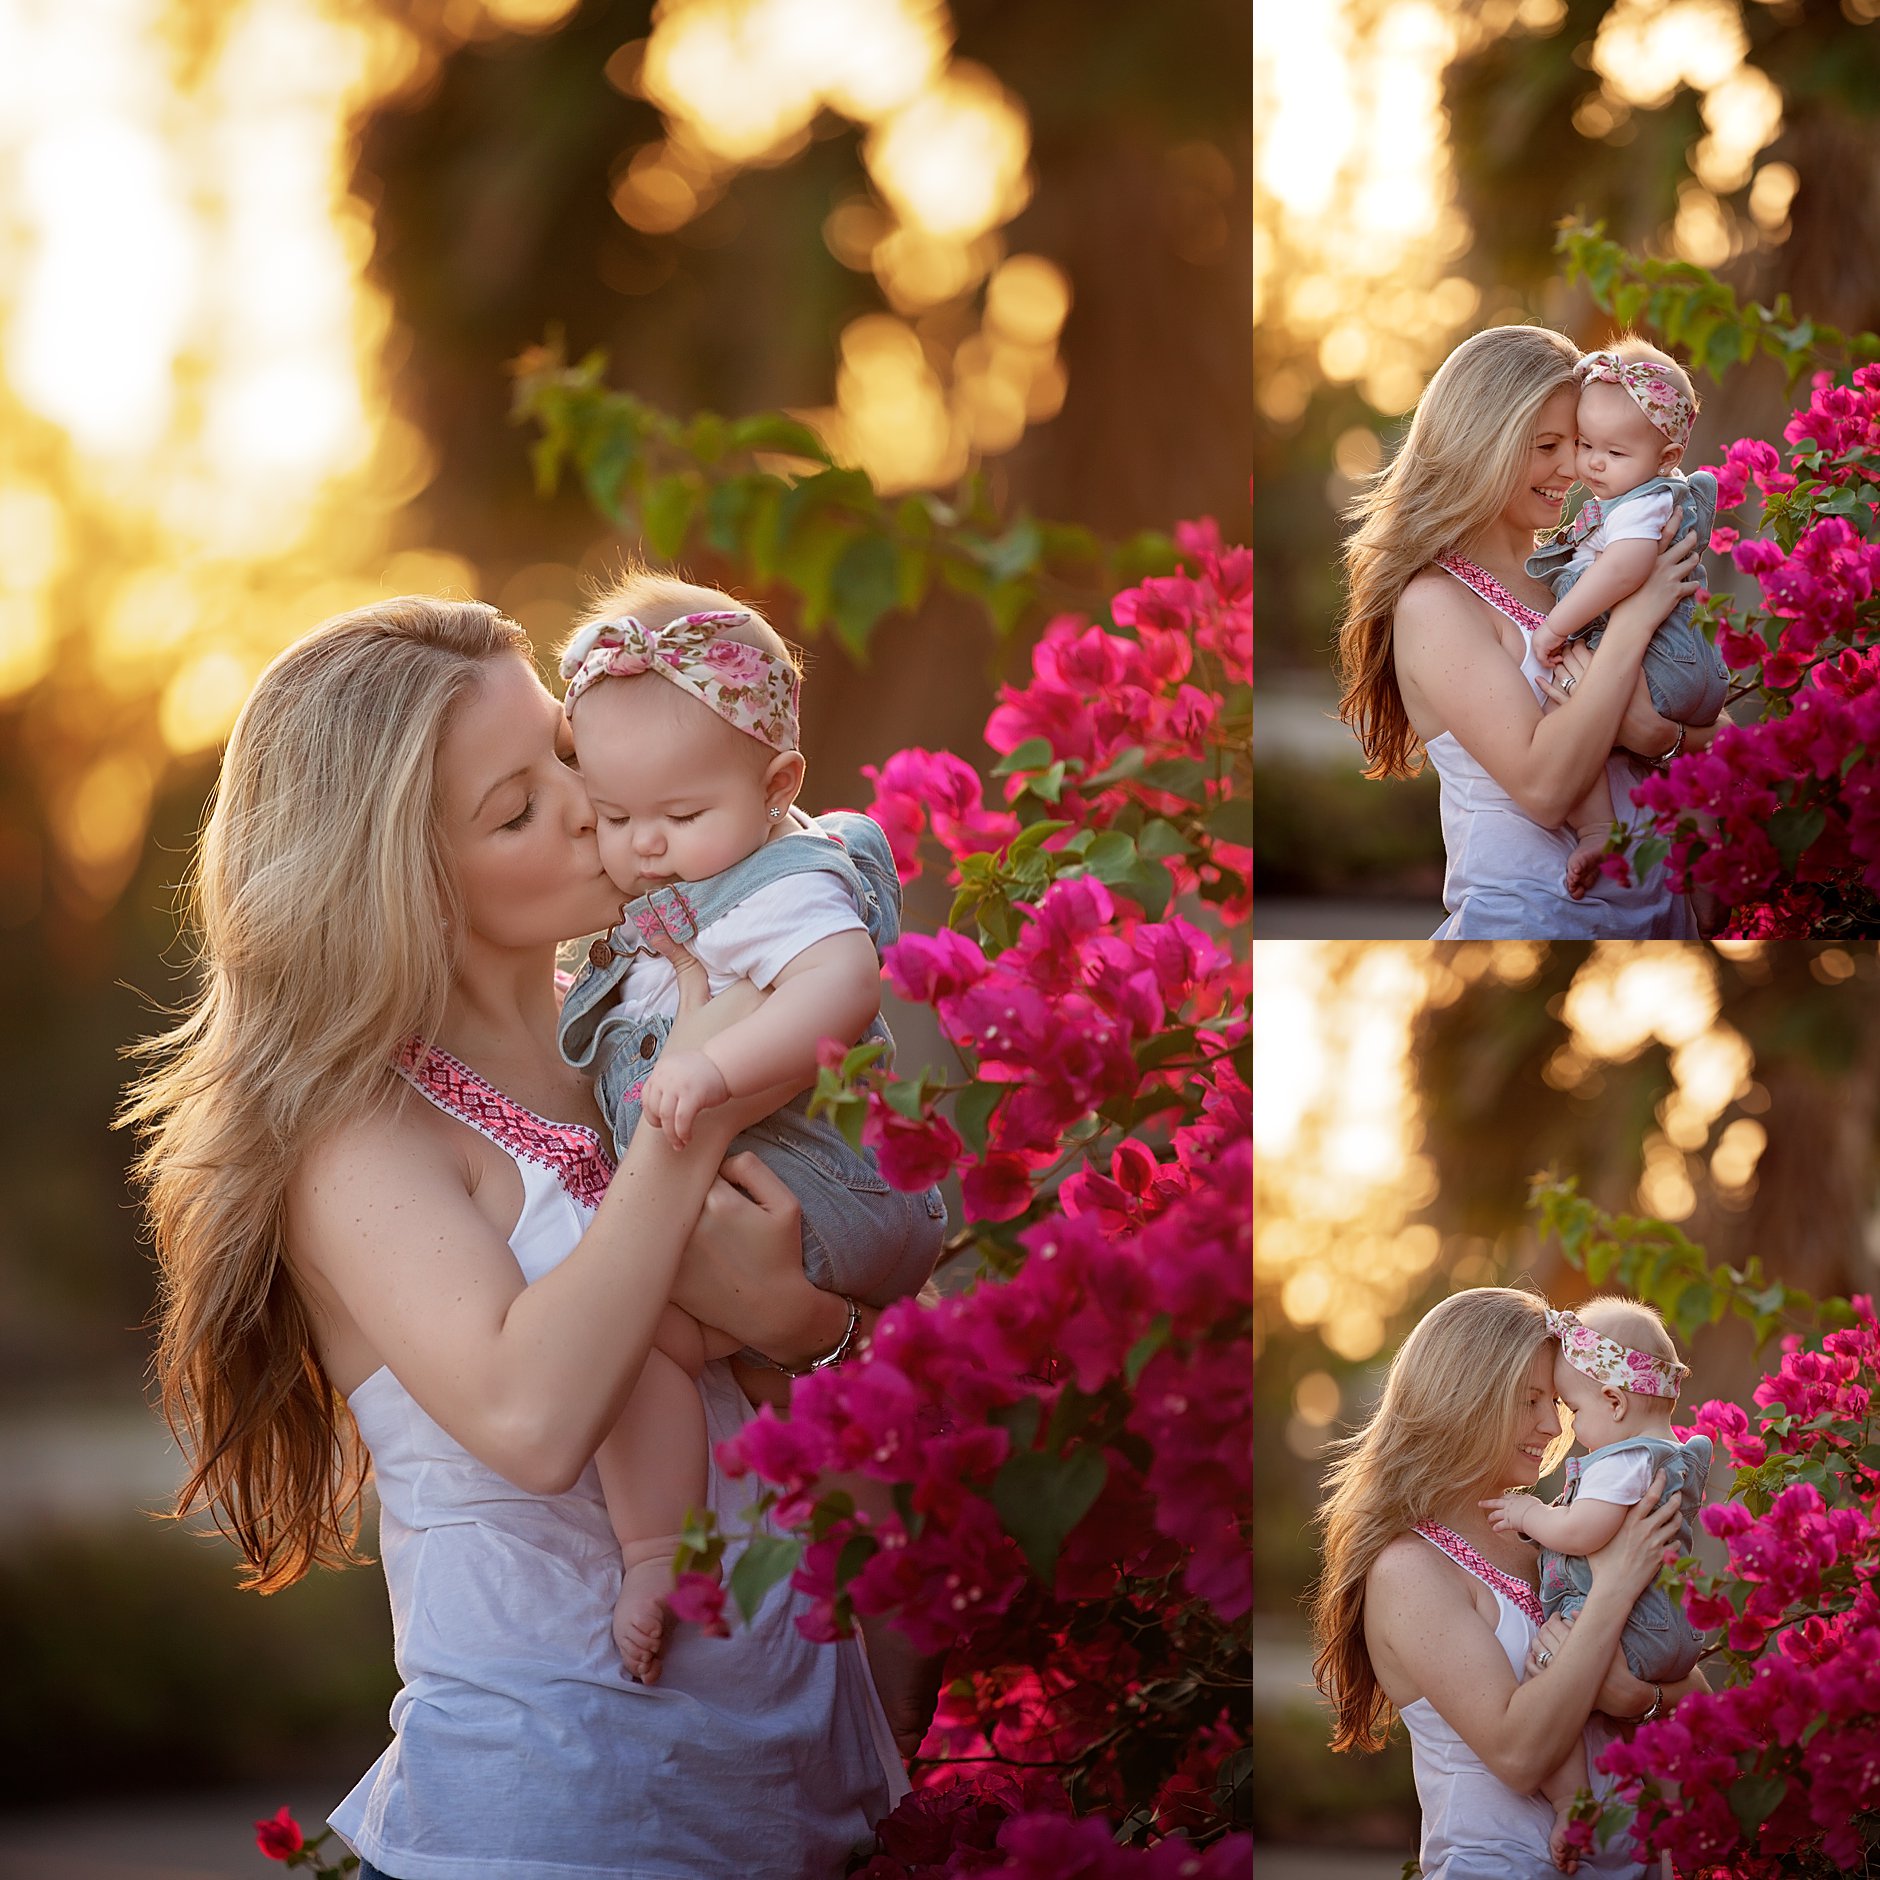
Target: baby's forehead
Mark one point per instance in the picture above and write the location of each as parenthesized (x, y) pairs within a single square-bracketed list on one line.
[(1613, 404)]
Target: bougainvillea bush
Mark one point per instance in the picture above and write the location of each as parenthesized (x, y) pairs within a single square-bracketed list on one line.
[(1775, 1770), (1066, 1441), (1779, 818)]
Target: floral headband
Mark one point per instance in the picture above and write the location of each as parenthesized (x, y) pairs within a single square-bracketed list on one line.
[(744, 685), (1606, 1361), (1650, 386)]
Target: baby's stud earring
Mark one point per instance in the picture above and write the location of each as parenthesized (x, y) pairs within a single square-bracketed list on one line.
[(776, 815)]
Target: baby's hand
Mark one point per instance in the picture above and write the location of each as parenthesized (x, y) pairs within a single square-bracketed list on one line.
[(1583, 865), (1506, 1512), (1548, 644), (682, 1084)]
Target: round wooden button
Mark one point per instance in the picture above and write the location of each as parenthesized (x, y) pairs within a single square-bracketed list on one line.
[(600, 953), (648, 1046)]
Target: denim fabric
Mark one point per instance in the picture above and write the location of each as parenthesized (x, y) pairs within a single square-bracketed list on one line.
[(369, 1872), (1683, 671), (1660, 1643), (860, 1236)]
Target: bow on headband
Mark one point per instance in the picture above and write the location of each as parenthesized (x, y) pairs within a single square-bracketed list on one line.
[(1606, 1361), (744, 685), (1650, 386)]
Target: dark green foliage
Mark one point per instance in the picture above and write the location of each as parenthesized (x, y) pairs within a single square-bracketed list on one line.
[(763, 492)]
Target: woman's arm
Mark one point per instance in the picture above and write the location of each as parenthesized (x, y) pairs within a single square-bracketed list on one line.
[(528, 1377), (1522, 1732), (1545, 761)]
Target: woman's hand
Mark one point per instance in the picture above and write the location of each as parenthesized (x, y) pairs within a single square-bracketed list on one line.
[(743, 1267), (1674, 575), (1545, 1643), (1629, 1562)]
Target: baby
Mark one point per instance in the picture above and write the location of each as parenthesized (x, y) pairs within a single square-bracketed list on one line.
[(1635, 414), (1619, 1374), (683, 707)]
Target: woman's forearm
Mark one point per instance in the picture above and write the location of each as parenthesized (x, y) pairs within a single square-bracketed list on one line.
[(572, 1343), (1569, 747), (1547, 1713)]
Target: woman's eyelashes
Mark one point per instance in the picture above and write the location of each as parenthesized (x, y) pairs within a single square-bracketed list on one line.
[(524, 815)]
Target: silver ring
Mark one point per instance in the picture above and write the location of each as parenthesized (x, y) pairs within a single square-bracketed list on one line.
[(1543, 1658), (1568, 683)]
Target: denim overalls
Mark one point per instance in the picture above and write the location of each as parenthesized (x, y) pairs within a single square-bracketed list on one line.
[(1661, 1645), (1683, 671), (860, 1237)]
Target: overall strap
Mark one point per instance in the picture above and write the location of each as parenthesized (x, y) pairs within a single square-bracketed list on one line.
[(571, 1152), (1517, 1592), (681, 910), (1483, 584)]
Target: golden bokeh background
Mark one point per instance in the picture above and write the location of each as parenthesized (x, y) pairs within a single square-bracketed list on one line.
[(205, 448)]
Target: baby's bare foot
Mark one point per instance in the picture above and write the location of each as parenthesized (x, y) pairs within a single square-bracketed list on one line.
[(641, 1617)]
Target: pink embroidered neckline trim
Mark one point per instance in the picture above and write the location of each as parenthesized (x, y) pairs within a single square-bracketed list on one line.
[(1517, 1592), (1480, 581), (571, 1152)]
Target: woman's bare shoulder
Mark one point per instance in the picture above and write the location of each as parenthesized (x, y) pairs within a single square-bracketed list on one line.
[(403, 1142), (1434, 603)]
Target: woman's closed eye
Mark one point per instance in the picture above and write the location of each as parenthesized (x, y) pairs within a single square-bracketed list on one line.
[(521, 818)]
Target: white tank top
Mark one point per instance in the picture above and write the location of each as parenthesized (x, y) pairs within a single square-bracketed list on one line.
[(519, 1749), (1475, 1827)]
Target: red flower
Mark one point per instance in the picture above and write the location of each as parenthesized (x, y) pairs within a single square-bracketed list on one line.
[(913, 1155), (279, 1837)]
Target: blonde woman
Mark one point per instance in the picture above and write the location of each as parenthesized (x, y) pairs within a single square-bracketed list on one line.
[(1433, 649), (386, 1228), (1424, 1610)]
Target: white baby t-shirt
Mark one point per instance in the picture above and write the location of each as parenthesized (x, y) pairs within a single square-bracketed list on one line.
[(1621, 1477), (1623, 520), (755, 940)]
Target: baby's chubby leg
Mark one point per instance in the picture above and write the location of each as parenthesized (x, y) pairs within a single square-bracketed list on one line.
[(1560, 1788), (652, 1468)]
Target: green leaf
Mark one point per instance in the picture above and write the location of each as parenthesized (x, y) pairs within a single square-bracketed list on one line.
[(772, 431), (865, 584), (972, 1113), (727, 511), (1040, 1498), (1146, 1347), (1016, 552), (1158, 839), (807, 561), (666, 515), (765, 1560), (1753, 1799), (1033, 754), (1231, 820), (1019, 1420), (706, 438), (1111, 856), (1791, 829), (906, 1097)]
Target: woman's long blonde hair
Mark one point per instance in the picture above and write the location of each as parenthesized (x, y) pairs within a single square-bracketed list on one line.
[(323, 910), (1454, 1405), (1458, 467)]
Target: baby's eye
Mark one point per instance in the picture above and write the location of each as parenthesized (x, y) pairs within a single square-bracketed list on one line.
[(690, 816)]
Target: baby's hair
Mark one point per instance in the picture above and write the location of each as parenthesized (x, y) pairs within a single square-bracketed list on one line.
[(655, 598), (1632, 1322), (1632, 346)]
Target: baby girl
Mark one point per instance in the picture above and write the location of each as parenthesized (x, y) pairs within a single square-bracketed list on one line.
[(683, 707), (1618, 1373), (1635, 414)]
